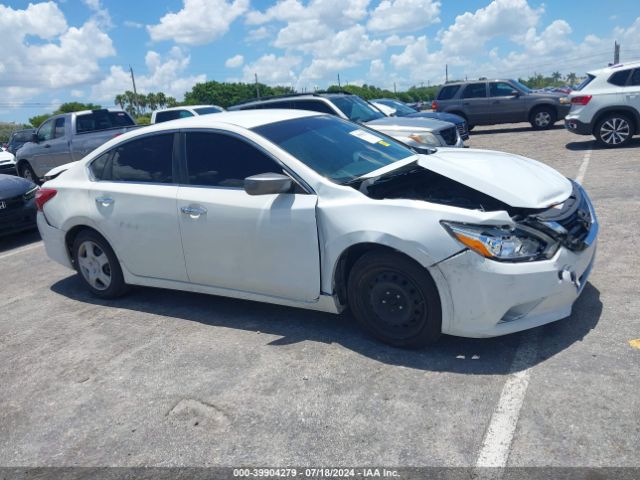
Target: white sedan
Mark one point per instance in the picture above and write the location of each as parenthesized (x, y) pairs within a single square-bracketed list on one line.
[(308, 210)]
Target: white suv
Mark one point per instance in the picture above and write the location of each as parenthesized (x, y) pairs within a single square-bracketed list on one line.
[(607, 105)]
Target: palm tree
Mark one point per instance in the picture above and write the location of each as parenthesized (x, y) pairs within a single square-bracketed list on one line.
[(152, 101), (161, 100), (556, 76), (120, 101), (572, 78)]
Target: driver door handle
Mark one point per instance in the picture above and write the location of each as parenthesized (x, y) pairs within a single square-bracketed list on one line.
[(193, 211)]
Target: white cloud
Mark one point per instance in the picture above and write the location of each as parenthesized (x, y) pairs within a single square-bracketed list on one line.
[(100, 14), (335, 13), (132, 24), (272, 70), (403, 15), (234, 62), (470, 31), (64, 57), (199, 22), (75, 93), (163, 74)]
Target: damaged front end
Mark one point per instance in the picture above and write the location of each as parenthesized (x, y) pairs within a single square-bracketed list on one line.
[(536, 233)]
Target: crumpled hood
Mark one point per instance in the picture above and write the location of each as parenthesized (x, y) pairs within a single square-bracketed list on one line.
[(11, 186), (515, 180)]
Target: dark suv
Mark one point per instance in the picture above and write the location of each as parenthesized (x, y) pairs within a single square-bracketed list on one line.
[(488, 102), (19, 138)]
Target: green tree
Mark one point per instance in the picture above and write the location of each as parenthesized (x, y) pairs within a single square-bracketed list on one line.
[(76, 107), (571, 78), (556, 77)]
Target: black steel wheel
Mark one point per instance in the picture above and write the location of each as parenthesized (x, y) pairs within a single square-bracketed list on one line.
[(395, 299)]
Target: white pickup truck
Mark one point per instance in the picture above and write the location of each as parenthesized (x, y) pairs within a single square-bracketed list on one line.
[(67, 138)]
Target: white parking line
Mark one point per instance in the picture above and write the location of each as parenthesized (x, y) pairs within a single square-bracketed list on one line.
[(20, 250), (498, 438), (583, 166)]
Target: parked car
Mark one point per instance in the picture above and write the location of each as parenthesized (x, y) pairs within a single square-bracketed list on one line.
[(607, 105), (19, 138), (418, 133), (69, 137), (321, 213), (17, 204), (7, 163), (490, 102), (174, 113), (396, 108)]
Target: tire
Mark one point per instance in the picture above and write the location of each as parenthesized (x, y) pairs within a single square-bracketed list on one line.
[(470, 127), (27, 173), (614, 130), (395, 300), (98, 265), (543, 118)]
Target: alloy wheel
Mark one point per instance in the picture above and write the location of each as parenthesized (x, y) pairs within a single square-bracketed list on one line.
[(615, 131), (542, 119), (94, 265)]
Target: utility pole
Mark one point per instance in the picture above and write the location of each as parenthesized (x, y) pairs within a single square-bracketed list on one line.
[(616, 53), (257, 87), (135, 92), (446, 73), (339, 86)]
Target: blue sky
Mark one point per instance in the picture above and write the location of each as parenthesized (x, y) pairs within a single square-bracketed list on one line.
[(81, 49)]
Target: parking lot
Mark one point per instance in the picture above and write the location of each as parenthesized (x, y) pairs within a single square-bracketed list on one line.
[(164, 378)]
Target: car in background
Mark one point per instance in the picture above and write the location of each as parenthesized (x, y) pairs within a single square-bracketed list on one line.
[(607, 105), (17, 204), (419, 133), (392, 107), (7, 163), (67, 138), (19, 138), (321, 213), (186, 111), (491, 102)]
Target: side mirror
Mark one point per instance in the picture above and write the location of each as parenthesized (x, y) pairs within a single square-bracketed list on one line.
[(516, 93), (267, 184), (34, 137)]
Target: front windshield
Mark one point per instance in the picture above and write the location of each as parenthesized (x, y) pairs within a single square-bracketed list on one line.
[(356, 109), (521, 86), (401, 108), (335, 148)]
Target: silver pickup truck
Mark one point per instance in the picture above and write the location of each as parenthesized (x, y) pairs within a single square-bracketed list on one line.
[(67, 138)]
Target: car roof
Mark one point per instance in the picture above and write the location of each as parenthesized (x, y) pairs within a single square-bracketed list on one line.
[(182, 107), (303, 96), (243, 118), (613, 68)]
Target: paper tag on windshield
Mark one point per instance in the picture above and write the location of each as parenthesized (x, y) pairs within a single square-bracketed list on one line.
[(366, 136)]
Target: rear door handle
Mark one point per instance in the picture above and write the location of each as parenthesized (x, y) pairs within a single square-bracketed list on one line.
[(46, 145), (194, 211), (104, 201)]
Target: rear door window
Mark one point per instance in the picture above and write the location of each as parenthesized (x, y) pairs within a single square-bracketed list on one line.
[(619, 78), (475, 90), (635, 77), (448, 92), (145, 160)]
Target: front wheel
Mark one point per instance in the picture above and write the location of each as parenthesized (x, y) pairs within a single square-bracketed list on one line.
[(614, 130), (395, 300), (27, 173), (543, 118), (97, 265)]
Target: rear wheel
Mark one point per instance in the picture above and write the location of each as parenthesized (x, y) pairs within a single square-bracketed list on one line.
[(543, 118), (97, 265), (27, 173), (395, 300), (614, 130)]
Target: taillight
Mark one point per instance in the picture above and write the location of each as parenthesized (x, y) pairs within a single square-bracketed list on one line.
[(43, 195), (581, 100), (434, 106)]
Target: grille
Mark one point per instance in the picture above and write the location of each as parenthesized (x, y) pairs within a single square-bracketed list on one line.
[(571, 223), (449, 135)]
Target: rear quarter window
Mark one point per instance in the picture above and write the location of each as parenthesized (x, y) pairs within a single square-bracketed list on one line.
[(448, 92)]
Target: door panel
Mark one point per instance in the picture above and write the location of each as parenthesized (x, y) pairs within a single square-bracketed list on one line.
[(265, 244), (504, 107), (475, 103), (140, 221)]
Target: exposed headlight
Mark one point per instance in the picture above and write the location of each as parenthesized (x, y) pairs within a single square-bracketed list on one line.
[(502, 243), (30, 193), (425, 138)]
